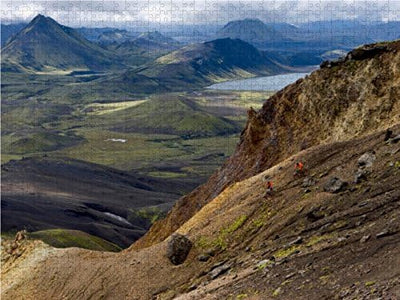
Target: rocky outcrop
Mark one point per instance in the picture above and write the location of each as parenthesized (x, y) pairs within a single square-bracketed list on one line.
[(332, 104)]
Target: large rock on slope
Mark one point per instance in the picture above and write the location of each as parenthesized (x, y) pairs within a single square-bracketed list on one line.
[(178, 248)]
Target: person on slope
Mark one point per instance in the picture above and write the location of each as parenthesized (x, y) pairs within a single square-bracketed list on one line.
[(298, 169), (270, 189)]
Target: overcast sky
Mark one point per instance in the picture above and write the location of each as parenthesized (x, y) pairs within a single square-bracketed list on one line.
[(169, 12)]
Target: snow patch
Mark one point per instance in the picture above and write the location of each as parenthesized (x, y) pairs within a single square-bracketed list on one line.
[(115, 217), (117, 140)]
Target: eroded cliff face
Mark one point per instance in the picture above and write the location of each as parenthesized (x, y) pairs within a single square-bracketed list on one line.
[(340, 101)]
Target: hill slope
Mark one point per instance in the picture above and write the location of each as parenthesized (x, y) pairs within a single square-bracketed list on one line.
[(292, 245), (45, 45), (45, 193), (210, 62), (352, 98), (333, 231)]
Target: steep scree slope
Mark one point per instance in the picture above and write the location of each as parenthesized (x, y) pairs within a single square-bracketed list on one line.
[(340, 102), (292, 245)]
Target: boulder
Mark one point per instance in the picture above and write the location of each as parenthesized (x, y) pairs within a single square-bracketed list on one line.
[(308, 181), (335, 185), (366, 160), (178, 248), (214, 273), (360, 175), (203, 257)]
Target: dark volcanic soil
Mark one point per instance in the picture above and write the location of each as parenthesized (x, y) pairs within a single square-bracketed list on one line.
[(48, 193)]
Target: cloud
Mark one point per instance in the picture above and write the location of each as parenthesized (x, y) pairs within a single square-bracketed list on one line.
[(130, 13)]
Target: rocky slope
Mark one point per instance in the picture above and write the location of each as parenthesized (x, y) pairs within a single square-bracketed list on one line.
[(306, 241), (338, 102), (332, 232)]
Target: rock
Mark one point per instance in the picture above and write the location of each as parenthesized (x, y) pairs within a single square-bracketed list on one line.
[(178, 248), (218, 264), (366, 52), (296, 241), (192, 287), (203, 257), (365, 238), (308, 181), (306, 191), (214, 273), (388, 134), (335, 185), (366, 190), (360, 175), (210, 252), (21, 235), (384, 233), (290, 275), (263, 263), (395, 139), (366, 160)]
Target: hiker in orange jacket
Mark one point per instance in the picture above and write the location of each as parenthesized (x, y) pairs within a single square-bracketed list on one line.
[(270, 189), (299, 169)]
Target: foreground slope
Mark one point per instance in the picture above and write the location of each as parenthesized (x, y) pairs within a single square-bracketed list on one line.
[(340, 102), (295, 244)]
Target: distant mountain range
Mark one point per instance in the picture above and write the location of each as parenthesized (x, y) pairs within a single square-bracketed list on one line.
[(143, 48), (238, 49)]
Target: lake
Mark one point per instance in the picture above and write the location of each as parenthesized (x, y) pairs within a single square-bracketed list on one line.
[(268, 83)]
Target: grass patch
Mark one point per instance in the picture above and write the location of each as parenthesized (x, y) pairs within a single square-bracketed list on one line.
[(64, 238), (145, 216), (224, 236), (99, 109), (166, 174), (316, 239), (286, 252)]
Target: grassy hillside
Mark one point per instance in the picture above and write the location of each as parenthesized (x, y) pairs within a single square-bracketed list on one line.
[(170, 115)]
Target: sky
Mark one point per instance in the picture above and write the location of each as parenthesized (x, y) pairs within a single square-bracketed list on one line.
[(174, 12)]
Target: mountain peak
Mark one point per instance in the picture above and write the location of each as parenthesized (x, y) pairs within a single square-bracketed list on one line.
[(44, 42), (41, 18)]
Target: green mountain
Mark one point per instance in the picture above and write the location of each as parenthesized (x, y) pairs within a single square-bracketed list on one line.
[(45, 45), (202, 64)]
